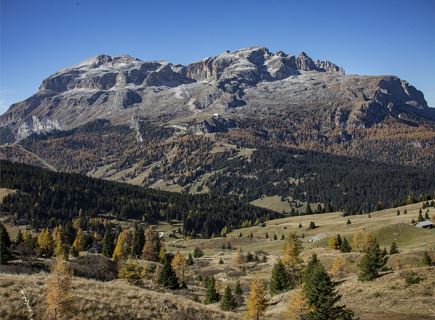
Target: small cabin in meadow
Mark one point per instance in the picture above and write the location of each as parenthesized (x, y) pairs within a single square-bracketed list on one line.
[(425, 224)]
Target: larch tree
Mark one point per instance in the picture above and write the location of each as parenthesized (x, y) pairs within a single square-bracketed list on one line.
[(60, 249), (339, 268), (256, 303), (291, 258), (79, 243), (121, 248), (298, 307), (45, 243), (151, 248), (357, 242), (179, 263), (59, 299), (5, 243)]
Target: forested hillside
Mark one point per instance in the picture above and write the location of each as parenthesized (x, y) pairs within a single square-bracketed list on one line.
[(343, 183), (46, 198)]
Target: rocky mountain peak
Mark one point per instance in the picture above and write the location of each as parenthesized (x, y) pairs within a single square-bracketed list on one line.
[(117, 87)]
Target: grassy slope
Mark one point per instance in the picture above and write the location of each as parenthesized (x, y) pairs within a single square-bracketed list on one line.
[(385, 298), (102, 300)]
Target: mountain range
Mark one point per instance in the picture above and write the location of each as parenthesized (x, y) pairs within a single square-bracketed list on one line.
[(187, 127)]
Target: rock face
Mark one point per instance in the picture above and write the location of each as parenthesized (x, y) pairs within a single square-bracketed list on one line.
[(237, 85)]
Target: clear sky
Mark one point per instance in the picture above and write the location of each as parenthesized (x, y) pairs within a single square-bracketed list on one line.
[(39, 37)]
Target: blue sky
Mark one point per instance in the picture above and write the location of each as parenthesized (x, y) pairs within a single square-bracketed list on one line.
[(38, 37)]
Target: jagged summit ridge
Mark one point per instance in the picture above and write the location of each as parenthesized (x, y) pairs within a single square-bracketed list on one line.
[(237, 84)]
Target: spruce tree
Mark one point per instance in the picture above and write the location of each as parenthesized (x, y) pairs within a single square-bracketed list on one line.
[(167, 276), (211, 296), (322, 296), (228, 302), (5, 243), (108, 244), (345, 246), (280, 280), (427, 260), (371, 262), (238, 294), (308, 209), (393, 248), (19, 237), (420, 216), (190, 260), (138, 241)]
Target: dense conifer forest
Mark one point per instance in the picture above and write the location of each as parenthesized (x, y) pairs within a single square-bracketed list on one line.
[(47, 198), (341, 183)]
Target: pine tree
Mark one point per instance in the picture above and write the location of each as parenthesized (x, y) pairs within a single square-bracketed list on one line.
[(256, 304), (167, 276), (108, 244), (371, 262), (267, 235), (211, 296), (405, 212), (322, 296), (426, 215), (45, 243), (5, 243), (151, 248), (280, 280), (275, 237), (59, 300), (138, 241), (312, 225), (228, 302), (221, 261), (398, 212), (345, 247), (393, 248), (348, 222)]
